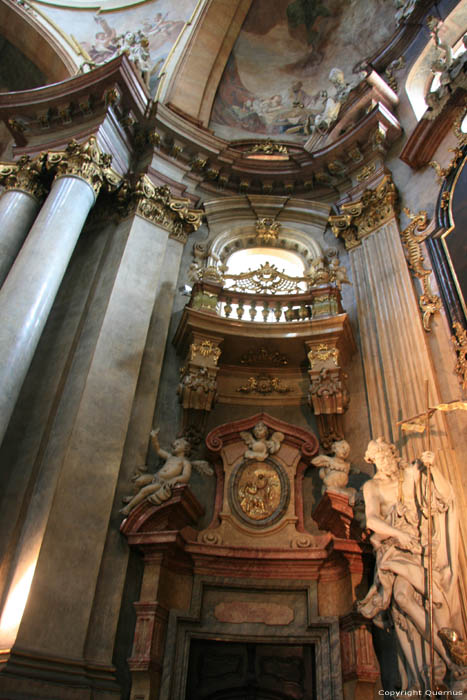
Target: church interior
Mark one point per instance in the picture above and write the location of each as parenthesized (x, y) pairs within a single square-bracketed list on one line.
[(233, 341)]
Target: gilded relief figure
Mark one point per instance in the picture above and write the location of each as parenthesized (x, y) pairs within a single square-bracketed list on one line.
[(157, 488), (259, 445), (396, 506), (259, 494)]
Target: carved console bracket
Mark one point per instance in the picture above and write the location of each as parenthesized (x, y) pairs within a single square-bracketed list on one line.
[(360, 218), (197, 387), (328, 395), (429, 302)]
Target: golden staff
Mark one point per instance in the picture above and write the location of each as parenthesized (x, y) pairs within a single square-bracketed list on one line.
[(421, 423)]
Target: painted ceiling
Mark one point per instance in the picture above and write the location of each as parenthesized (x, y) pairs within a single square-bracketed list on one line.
[(278, 71)]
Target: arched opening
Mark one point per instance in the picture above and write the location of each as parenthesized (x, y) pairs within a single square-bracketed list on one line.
[(48, 56)]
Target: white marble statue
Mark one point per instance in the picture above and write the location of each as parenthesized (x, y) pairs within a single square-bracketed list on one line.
[(259, 445), (334, 470), (157, 488), (396, 503), (332, 106)]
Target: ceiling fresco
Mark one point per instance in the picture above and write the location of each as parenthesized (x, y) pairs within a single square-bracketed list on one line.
[(160, 21), (277, 77)]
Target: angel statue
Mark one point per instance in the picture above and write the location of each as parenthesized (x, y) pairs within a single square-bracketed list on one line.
[(334, 471), (396, 504), (157, 488), (258, 444)]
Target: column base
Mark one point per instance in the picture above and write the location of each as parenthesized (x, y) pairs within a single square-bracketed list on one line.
[(32, 676)]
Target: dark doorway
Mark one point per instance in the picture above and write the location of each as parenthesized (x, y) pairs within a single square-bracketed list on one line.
[(250, 671)]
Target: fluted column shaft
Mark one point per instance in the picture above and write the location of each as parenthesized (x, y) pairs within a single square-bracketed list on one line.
[(30, 289)]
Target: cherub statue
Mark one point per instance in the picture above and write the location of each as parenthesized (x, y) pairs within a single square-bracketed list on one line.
[(338, 273), (334, 470), (157, 488), (259, 446)]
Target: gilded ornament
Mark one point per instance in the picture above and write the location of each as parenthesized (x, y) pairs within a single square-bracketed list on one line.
[(360, 218), (365, 172), (322, 353), (460, 345), (206, 348), (86, 161), (267, 279), (269, 148), (258, 491), (443, 173), (158, 205), (267, 230), (263, 384), (429, 302), (264, 356), (24, 175), (445, 199)]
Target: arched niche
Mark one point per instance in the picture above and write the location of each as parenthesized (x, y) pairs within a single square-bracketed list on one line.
[(232, 225), (244, 237), (46, 50)]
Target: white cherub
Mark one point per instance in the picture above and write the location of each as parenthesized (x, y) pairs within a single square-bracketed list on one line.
[(157, 488), (259, 446), (334, 470)]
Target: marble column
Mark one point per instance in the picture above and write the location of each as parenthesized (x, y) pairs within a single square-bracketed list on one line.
[(83, 491), (29, 291), (19, 205)]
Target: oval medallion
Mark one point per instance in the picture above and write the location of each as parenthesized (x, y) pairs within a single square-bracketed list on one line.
[(259, 492)]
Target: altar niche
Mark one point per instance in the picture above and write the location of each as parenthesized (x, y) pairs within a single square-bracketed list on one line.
[(256, 671)]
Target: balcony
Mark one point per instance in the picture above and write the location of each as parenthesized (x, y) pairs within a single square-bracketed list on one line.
[(265, 338)]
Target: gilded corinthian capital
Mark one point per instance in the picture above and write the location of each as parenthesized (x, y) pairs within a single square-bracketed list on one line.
[(25, 175), (158, 205), (86, 161), (360, 218)]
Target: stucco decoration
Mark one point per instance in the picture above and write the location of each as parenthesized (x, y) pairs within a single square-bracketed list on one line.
[(276, 79)]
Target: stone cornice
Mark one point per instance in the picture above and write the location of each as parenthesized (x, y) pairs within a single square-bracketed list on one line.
[(25, 175), (39, 116), (360, 218), (158, 205)]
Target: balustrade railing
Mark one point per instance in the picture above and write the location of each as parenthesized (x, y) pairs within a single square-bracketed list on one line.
[(267, 308)]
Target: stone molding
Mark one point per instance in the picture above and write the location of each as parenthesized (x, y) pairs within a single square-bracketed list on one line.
[(360, 218), (159, 206), (24, 176)]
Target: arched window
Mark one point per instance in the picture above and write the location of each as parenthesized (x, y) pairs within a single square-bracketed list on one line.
[(252, 259)]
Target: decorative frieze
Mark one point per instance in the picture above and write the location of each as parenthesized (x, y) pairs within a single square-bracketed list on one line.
[(158, 205), (360, 218), (87, 162), (25, 175)]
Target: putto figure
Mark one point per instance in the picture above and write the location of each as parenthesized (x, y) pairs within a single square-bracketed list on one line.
[(259, 445), (157, 488), (396, 506), (335, 470)]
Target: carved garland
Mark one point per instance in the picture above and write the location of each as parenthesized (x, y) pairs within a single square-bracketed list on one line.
[(429, 302), (460, 344)]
